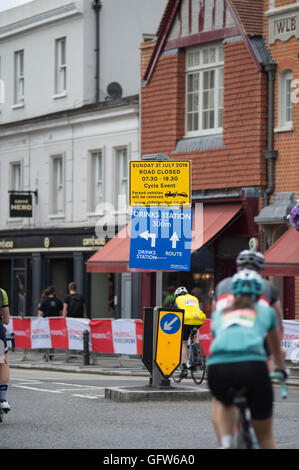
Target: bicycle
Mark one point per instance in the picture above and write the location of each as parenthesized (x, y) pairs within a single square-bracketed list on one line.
[(244, 437), (196, 361)]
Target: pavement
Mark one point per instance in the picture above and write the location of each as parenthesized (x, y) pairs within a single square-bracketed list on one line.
[(119, 365)]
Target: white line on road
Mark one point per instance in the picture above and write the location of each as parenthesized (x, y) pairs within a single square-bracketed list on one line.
[(87, 396), (37, 389)]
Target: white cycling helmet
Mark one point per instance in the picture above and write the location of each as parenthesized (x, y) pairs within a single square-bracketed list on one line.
[(251, 258), (180, 291)]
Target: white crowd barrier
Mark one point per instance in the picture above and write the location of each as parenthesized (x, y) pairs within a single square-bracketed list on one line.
[(105, 335), (123, 336)]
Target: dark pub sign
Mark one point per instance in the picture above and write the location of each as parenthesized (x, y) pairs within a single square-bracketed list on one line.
[(20, 205)]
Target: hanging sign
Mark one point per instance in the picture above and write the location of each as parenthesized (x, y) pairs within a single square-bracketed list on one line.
[(20, 205)]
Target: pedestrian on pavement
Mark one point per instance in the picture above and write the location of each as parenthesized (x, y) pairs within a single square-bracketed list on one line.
[(74, 304), (51, 306), (4, 366)]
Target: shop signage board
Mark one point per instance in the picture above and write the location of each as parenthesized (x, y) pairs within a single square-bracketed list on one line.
[(168, 340), (20, 205), (160, 182), (161, 238)]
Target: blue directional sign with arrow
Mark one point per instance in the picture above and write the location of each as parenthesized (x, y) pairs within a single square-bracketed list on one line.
[(161, 238), (170, 323)]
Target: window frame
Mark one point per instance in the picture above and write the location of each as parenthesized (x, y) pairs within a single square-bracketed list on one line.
[(60, 66), (120, 178), (200, 69), (19, 77), (12, 180), (93, 181), (55, 210), (285, 77)]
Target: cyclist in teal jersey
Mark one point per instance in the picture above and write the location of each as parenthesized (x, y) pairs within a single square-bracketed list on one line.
[(4, 367), (238, 358)]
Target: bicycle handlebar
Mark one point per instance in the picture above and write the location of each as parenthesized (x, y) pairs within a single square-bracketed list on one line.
[(282, 381)]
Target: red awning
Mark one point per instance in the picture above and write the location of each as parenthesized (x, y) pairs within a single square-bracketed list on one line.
[(282, 258), (114, 256)]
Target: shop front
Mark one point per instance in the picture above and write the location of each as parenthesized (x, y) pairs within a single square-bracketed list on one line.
[(31, 260)]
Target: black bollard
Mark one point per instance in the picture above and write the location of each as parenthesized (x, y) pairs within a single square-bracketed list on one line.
[(86, 347), (13, 344)]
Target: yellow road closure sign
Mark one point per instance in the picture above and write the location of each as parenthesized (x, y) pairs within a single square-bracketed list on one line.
[(160, 182), (168, 340)]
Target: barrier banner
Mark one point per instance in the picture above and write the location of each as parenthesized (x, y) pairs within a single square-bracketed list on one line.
[(22, 331), (139, 335), (58, 332), (101, 336), (75, 328), (40, 334), (123, 336), (290, 339), (205, 336)]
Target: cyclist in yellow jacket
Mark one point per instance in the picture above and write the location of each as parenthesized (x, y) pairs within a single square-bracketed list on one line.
[(193, 317)]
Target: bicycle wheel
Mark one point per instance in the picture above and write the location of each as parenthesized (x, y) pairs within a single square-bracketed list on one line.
[(199, 364), (176, 375)]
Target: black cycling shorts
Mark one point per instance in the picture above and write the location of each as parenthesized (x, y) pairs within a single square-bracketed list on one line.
[(253, 375), (3, 337), (186, 330)]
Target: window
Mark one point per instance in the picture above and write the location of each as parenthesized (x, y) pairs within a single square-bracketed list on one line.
[(60, 53), (96, 179), (19, 77), (122, 178), (285, 99), (57, 185), (204, 90), (15, 179)]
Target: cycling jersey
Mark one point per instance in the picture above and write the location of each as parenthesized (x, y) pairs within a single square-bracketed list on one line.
[(193, 315), (3, 298), (224, 296), (239, 334)]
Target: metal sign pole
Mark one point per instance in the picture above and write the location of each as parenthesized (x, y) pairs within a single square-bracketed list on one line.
[(157, 377)]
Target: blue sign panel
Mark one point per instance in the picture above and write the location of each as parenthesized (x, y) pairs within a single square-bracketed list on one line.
[(170, 323), (161, 238)]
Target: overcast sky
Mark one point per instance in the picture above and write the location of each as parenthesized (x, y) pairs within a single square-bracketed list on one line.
[(6, 4)]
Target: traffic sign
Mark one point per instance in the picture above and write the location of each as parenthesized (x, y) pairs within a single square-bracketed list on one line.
[(168, 340), (161, 239), (160, 182)]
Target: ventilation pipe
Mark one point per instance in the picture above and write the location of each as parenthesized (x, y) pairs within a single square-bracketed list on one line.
[(97, 5)]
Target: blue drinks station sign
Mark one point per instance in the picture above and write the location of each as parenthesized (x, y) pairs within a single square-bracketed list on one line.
[(161, 238)]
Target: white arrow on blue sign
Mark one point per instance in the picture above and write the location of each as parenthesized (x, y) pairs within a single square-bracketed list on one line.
[(170, 323), (161, 238)]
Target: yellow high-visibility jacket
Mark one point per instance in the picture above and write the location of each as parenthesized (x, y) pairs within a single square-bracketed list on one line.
[(193, 314)]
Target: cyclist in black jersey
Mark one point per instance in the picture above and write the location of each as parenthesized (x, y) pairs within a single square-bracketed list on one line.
[(4, 367)]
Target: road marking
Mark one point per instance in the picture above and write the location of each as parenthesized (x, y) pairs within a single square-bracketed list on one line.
[(87, 396), (37, 389)]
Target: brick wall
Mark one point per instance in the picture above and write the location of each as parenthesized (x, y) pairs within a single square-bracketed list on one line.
[(285, 55), (241, 162)]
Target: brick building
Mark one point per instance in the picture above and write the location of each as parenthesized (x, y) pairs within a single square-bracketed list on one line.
[(208, 96), (281, 31)]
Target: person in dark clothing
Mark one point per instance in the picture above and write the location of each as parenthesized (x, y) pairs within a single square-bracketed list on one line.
[(51, 306), (74, 304)]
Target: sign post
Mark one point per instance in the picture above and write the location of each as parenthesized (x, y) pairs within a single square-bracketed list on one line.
[(161, 234)]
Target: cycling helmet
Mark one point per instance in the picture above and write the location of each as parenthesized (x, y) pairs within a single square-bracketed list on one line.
[(247, 282), (180, 291), (252, 258)]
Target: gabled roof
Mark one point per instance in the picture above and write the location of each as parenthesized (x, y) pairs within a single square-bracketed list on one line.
[(247, 14), (250, 15)]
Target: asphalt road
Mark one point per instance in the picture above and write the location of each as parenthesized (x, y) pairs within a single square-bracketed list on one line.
[(55, 410)]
